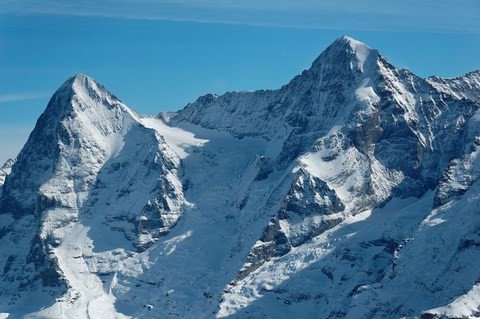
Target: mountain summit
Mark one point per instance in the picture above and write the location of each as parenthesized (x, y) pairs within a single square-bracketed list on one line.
[(349, 192), (347, 52), (80, 115)]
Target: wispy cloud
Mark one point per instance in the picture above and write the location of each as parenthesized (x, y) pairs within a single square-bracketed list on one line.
[(13, 97), (413, 15)]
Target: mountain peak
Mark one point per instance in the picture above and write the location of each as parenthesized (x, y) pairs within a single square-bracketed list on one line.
[(346, 42), (80, 92), (80, 77), (78, 80), (347, 50), (81, 84), (349, 40)]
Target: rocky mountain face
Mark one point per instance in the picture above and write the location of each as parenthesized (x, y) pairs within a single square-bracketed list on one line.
[(349, 192)]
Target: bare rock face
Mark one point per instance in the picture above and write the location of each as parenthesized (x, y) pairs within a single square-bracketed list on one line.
[(460, 175), (310, 207)]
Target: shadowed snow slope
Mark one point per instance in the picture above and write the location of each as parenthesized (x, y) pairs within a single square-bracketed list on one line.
[(350, 192)]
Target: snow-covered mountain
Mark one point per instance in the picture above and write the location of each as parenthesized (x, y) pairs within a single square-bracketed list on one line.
[(350, 192)]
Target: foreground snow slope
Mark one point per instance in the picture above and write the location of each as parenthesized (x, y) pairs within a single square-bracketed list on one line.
[(349, 192)]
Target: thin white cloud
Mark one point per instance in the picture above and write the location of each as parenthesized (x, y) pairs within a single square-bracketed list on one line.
[(395, 15), (22, 96)]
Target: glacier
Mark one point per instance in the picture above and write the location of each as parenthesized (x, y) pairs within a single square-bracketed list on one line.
[(350, 192)]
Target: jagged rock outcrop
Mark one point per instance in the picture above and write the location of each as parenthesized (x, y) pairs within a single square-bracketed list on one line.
[(309, 208), (4, 171)]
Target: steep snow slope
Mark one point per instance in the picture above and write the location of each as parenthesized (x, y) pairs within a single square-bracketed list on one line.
[(349, 192)]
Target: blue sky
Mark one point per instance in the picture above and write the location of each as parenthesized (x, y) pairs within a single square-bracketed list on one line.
[(160, 55)]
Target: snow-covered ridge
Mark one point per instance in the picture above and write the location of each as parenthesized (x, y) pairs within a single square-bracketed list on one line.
[(325, 198), (265, 113), (466, 86)]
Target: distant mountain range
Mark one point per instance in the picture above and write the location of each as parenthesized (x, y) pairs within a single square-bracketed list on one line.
[(351, 192)]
